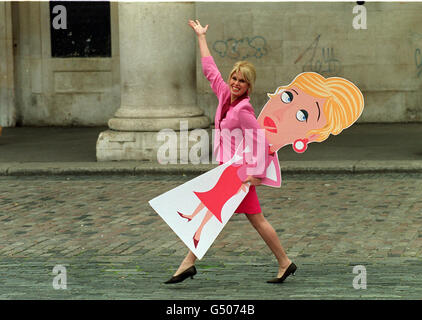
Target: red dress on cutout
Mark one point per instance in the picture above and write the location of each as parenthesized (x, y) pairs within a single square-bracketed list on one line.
[(215, 198)]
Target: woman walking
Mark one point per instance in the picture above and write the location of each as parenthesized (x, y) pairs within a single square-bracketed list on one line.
[(234, 112)]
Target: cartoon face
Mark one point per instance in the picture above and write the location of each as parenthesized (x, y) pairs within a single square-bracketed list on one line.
[(290, 115)]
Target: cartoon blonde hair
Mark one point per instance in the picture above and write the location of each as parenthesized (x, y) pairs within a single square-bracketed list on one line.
[(343, 106), (248, 71)]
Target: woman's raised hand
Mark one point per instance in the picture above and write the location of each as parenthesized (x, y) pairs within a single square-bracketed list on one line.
[(196, 26)]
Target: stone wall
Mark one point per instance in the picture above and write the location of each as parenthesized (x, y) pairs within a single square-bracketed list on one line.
[(285, 39), (282, 39), (7, 101), (61, 91)]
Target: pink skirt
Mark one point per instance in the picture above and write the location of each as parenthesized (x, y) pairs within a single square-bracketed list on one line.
[(250, 204)]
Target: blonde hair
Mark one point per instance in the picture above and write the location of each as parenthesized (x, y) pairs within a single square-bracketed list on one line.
[(248, 71), (343, 106)]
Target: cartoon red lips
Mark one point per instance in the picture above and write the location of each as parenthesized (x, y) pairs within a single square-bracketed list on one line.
[(270, 125)]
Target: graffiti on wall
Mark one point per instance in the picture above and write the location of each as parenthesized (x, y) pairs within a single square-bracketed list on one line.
[(241, 49), (418, 62), (317, 59)]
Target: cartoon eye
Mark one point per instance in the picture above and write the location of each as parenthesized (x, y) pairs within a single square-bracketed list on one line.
[(302, 115), (286, 97)]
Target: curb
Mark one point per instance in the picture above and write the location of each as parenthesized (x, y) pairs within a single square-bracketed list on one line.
[(149, 168)]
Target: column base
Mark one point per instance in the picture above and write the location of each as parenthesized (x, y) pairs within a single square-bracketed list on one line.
[(147, 146)]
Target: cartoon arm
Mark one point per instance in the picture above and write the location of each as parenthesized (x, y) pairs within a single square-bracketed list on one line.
[(255, 142), (243, 188)]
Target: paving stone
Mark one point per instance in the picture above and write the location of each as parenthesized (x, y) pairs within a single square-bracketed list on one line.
[(114, 246)]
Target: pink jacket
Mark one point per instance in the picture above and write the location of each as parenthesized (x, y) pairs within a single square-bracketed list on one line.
[(239, 118)]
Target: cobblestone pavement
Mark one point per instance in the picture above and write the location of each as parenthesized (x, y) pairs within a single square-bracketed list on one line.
[(114, 246)]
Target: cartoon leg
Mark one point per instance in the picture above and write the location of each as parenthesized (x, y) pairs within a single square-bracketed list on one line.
[(197, 235), (268, 234), (242, 188), (197, 210)]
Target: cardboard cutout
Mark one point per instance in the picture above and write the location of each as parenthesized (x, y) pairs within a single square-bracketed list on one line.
[(308, 110), (204, 205)]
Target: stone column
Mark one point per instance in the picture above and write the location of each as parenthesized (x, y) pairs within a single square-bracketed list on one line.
[(158, 80), (7, 100)]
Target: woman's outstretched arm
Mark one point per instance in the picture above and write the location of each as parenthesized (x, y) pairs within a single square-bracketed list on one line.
[(202, 40), (209, 68)]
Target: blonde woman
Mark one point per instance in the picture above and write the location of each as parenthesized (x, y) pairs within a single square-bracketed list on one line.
[(234, 111)]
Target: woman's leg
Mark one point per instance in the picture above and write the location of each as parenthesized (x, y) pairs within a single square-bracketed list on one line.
[(270, 237), (188, 262)]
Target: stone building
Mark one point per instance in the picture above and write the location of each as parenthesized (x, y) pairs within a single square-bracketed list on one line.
[(135, 67)]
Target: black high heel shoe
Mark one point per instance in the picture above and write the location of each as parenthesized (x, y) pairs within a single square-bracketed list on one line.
[(189, 272), (290, 270)]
